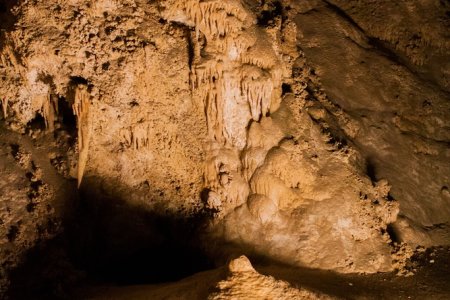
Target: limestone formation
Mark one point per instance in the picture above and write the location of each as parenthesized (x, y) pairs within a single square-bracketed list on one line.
[(244, 282), (81, 108), (312, 133)]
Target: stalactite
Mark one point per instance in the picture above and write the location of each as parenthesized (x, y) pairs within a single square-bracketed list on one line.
[(241, 83), (210, 174), (207, 73), (222, 23), (257, 88), (81, 108), (256, 61), (8, 52), (213, 18), (50, 111), (136, 136), (140, 136), (127, 136), (214, 114), (5, 107)]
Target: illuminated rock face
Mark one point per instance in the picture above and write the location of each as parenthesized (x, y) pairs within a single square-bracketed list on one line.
[(288, 122), (391, 80)]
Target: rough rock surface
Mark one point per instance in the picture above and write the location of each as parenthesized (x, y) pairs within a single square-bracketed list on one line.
[(429, 282), (391, 82), (239, 281), (245, 283), (313, 133), (33, 199)]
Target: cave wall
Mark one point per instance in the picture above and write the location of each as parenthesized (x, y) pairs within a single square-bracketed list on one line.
[(301, 128), (391, 81)]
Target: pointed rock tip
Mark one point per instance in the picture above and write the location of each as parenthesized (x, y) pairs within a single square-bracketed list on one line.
[(240, 264)]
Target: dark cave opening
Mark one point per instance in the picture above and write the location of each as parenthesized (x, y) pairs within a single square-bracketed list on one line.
[(106, 241), (66, 114), (391, 231), (37, 123), (286, 88), (370, 170)]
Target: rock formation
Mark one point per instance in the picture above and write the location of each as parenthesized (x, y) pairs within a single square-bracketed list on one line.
[(313, 133)]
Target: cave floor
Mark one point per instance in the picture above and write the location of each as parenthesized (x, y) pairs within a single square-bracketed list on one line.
[(431, 280)]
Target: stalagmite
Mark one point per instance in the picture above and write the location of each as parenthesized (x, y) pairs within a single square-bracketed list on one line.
[(81, 108)]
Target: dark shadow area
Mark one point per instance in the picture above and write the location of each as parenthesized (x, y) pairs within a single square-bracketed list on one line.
[(76, 80), (107, 241), (133, 245), (370, 170), (393, 234), (66, 115), (6, 16), (267, 16), (37, 123), (7, 19), (286, 88), (430, 280)]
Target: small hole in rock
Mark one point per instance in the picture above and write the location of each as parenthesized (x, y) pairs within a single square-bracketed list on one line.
[(392, 233), (105, 66), (286, 88), (38, 123), (75, 80), (370, 170), (12, 233)]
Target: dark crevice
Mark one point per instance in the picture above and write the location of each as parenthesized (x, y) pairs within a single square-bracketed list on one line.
[(384, 48), (12, 233), (105, 66), (8, 19), (266, 17), (343, 15), (286, 88), (66, 114), (392, 233), (14, 149), (76, 80), (370, 170), (37, 123), (190, 48), (390, 197), (107, 241)]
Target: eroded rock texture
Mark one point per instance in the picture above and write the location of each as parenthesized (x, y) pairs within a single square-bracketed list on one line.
[(314, 133), (386, 66)]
